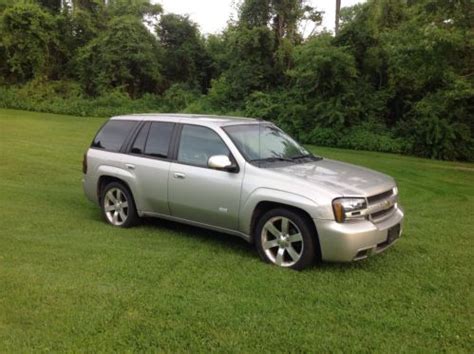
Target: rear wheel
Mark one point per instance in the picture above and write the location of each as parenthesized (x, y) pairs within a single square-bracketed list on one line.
[(284, 238), (118, 207)]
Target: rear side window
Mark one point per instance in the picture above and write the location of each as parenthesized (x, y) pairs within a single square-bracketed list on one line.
[(158, 141), (113, 134), (139, 144)]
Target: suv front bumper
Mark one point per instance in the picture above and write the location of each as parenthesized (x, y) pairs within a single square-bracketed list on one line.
[(356, 240)]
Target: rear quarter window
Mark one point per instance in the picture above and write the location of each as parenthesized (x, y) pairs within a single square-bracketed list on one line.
[(113, 135)]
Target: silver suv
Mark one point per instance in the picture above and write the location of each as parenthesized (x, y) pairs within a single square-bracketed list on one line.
[(244, 177)]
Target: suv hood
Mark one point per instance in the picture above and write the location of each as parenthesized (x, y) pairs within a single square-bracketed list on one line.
[(342, 178)]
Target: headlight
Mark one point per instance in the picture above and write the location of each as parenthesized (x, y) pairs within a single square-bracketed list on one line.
[(349, 208)]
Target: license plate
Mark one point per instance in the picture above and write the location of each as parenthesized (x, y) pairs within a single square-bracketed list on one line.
[(393, 233)]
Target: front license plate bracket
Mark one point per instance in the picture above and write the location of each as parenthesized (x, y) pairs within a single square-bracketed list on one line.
[(393, 233)]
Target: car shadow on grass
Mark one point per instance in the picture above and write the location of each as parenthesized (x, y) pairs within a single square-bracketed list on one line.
[(236, 244), (208, 237)]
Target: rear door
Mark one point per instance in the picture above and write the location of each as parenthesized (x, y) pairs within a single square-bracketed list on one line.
[(196, 192), (149, 161)]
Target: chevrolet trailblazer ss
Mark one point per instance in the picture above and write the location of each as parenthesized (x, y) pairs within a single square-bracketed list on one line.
[(244, 177)]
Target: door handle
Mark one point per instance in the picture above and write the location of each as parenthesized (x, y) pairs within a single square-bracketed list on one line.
[(130, 166), (179, 175)]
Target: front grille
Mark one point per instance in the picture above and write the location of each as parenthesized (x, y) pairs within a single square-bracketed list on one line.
[(381, 206), (381, 213), (378, 197)]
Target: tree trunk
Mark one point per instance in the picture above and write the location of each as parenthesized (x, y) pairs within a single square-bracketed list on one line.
[(338, 13)]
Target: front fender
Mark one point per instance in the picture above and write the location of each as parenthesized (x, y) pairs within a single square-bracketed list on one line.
[(277, 196)]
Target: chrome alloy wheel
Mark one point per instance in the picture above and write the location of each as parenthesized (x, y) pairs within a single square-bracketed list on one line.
[(282, 241), (116, 206)]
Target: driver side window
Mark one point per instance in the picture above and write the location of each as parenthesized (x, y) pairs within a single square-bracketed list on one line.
[(198, 144)]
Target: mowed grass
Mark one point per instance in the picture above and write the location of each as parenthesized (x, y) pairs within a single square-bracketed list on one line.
[(70, 282)]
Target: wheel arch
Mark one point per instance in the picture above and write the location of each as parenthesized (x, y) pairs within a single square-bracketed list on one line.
[(263, 199), (264, 206), (267, 195), (104, 180)]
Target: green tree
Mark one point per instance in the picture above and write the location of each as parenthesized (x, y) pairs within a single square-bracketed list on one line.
[(429, 69), (88, 5), (324, 80), (29, 39), (250, 66), (417, 55), (255, 13), (185, 52), (126, 56), (258, 48), (143, 9)]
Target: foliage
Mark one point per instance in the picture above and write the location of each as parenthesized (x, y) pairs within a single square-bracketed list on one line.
[(324, 80), (418, 57), (396, 73), (186, 58), (125, 56), (143, 9), (249, 57), (66, 97), (29, 37), (441, 123), (178, 97)]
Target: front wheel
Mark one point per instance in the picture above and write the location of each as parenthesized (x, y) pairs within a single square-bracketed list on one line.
[(285, 238), (118, 207)]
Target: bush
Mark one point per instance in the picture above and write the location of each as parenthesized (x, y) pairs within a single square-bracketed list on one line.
[(440, 123), (368, 136), (178, 97), (64, 98), (360, 138)]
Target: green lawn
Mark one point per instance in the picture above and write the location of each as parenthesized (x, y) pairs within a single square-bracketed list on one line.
[(70, 282)]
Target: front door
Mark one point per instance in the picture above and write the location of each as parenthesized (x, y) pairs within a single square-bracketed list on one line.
[(199, 193)]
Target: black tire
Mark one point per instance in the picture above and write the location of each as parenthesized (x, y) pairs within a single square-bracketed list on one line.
[(129, 211), (307, 248)]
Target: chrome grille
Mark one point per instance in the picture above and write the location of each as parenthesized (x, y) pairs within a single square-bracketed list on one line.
[(381, 206), (378, 197), (379, 214)]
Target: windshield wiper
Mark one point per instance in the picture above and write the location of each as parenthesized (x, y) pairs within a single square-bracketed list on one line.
[(272, 159), (306, 156), (301, 156)]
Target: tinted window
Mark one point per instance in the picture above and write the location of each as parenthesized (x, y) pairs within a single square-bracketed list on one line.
[(139, 143), (113, 134), (159, 138), (197, 144)]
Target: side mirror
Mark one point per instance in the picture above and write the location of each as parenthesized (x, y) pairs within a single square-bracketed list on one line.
[(220, 162)]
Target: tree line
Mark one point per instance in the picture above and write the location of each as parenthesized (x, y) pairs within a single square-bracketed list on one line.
[(397, 77)]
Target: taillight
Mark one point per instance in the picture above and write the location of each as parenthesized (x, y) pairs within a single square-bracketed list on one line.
[(84, 163)]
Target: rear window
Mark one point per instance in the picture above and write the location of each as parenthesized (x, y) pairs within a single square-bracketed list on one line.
[(113, 134)]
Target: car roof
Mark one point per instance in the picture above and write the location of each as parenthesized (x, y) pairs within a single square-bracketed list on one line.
[(200, 119)]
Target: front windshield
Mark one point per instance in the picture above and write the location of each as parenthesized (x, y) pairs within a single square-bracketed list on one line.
[(259, 142)]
